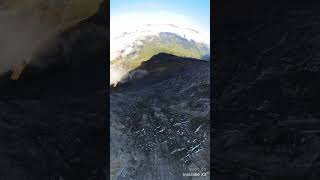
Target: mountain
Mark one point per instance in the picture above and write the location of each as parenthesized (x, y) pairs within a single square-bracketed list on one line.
[(129, 49), (160, 113)]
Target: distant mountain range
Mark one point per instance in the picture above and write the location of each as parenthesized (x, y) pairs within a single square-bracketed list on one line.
[(129, 49)]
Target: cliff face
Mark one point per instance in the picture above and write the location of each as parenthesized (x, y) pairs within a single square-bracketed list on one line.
[(52, 119), (266, 101)]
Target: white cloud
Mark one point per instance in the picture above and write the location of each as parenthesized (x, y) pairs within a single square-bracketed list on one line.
[(124, 22)]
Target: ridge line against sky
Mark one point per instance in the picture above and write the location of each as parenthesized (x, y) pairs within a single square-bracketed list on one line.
[(196, 12)]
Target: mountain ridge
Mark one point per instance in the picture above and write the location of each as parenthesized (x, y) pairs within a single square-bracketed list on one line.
[(161, 66)]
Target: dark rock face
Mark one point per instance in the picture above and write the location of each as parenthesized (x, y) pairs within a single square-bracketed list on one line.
[(160, 120), (266, 92), (53, 119)]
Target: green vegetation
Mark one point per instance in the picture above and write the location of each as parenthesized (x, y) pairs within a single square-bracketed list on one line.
[(164, 43)]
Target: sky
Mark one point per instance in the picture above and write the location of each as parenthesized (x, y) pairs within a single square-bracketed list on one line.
[(190, 12)]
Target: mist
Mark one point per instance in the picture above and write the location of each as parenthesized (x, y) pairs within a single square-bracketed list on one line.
[(19, 36), (27, 25)]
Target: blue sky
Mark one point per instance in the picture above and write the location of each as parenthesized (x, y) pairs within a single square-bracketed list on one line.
[(197, 11)]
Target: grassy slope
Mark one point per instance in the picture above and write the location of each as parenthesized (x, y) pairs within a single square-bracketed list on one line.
[(165, 43)]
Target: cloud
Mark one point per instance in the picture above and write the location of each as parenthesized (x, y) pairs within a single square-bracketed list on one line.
[(126, 21)]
